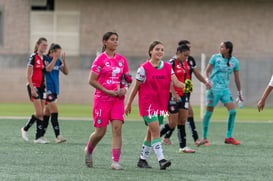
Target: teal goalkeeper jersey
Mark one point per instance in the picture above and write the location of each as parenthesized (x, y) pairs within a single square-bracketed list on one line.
[(221, 71)]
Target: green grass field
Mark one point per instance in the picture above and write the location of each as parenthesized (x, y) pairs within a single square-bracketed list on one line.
[(252, 160)]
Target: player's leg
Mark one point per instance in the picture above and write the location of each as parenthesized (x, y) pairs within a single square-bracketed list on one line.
[(45, 119), (145, 152), (101, 111), (228, 102), (168, 128), (39, 108), (116, 115), (156, 143)]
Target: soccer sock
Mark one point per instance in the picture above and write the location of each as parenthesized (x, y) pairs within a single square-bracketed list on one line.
[(29, 123), (230, 124), (157, 147), (181, 134), (146, 150), (192, 128), (206, 120), (169, 133), (39, 128), (55, 123), (90, 148), (164, 129), (116, 154), (45, 124)]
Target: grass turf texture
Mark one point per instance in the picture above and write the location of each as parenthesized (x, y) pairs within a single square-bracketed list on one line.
[(85, 111), (27, 161)]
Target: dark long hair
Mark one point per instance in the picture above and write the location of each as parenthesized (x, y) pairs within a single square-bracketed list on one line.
[(229, 46), (183, 42), (182, 48), (106, 37), (38, 42), (151, 47), (53, 47)]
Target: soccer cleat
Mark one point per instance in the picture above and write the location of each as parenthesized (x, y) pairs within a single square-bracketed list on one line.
[(60, 139), (116, 166), (24, 134), (186, 150), (41, 140), (205, 142), (88, 158), (200, 142), (163, 164), (143, 164), (232, 141), (167, 141)]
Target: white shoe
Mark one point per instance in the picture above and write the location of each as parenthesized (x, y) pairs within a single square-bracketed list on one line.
[(41, 140), (116, 166), (186, 150), (24, 134), (88, 158), (60, 139)]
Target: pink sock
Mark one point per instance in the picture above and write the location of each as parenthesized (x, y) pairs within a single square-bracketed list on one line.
[(90, 147), (116, 154)]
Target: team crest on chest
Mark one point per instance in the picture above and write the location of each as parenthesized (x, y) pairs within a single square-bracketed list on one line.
[(120, 63)]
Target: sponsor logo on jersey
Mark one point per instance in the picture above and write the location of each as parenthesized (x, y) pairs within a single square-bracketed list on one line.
[(115, 71), (99, 121), (107, 64), (98, 68)]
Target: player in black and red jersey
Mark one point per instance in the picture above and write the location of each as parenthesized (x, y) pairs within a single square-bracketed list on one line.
[(190, 66), (36, 87), (178, 101)]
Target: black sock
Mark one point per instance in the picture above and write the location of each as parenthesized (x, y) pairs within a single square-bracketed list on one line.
[(169, 133), (55, 123), (192, 128), (164, 129), (45, 124), (29, 123), (181, 134), (39, 128)]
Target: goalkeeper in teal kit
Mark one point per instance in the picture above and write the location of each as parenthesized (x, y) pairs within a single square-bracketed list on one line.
[(218, 72)]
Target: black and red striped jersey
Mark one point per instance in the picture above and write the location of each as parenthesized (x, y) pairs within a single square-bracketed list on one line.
[(39, 68)]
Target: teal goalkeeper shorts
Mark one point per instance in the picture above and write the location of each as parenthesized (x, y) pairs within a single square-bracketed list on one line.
[(214, 95)]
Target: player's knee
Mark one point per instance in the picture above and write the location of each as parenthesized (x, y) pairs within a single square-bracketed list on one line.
[(232, 112)]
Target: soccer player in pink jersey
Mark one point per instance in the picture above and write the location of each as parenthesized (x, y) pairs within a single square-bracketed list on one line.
[(106, 75), (153, 84)]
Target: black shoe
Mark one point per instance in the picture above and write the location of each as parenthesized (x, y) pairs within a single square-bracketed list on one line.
[(143, 164), (164, 164)]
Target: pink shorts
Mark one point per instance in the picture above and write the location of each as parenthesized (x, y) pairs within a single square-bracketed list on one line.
[(103, 111)]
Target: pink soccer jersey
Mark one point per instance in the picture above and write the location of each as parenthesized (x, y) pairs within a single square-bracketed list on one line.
[(154, 92), (110, 71)]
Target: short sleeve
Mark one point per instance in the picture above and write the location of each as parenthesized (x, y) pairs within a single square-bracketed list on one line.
[(192, 62), (212, 60), (97, 65), (271, 82), (31, 60), (236, 66), (141, 75)]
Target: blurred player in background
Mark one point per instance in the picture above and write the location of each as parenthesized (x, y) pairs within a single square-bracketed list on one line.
[(153, 81), (36, 89), (106, 75), (218, 72), (191, 67), (54, 65), (267, 91)]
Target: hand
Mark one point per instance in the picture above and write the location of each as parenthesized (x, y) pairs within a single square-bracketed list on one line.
[(63, 56), (112, 93), (208, 85), (122, 92), (240, 96), (260, 105), (33, 92), (128, 109), (128, 78), (176, 97)]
